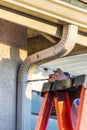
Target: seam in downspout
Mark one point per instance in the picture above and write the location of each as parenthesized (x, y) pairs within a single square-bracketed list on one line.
[(65, 45)]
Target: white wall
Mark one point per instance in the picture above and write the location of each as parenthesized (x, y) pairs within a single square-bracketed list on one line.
[(13, 43)]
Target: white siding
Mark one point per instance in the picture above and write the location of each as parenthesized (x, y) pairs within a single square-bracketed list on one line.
[(75, 65)]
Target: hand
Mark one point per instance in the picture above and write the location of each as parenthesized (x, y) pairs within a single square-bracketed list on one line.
[(58, 75)]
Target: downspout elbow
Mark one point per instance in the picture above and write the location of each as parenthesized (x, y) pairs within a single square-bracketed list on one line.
[(64, 47)]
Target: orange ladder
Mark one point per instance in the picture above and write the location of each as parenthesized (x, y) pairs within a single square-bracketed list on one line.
[(59, 97)]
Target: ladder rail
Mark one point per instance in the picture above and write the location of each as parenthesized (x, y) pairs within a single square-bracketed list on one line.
[(45, 112)]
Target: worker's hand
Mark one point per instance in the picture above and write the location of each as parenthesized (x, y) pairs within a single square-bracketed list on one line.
[(58, 75)]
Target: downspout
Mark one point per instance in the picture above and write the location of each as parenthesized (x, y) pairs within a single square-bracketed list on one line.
[(63, 48)]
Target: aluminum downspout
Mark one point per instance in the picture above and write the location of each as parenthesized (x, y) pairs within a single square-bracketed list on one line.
[(65, 45)]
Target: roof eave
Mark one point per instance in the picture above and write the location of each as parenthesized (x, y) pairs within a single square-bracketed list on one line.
[(54, 11)]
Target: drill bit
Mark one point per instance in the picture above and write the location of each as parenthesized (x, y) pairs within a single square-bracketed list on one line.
[(35, 80)]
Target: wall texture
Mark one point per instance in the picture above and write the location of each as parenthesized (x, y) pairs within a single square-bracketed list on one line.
[(13, 43)]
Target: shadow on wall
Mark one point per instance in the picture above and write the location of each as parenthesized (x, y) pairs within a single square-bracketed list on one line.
[(12, 37), (8, 86)]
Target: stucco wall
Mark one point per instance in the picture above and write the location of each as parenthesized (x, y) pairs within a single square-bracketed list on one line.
[(13, 42)]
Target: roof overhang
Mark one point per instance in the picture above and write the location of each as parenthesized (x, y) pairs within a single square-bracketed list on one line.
[(52, 10), (48, 19)]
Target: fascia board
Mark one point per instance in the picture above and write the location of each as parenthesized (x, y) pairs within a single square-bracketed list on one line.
[(31, 22), (53, 10)]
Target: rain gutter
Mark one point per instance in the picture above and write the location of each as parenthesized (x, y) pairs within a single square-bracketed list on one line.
[(55, 11)]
